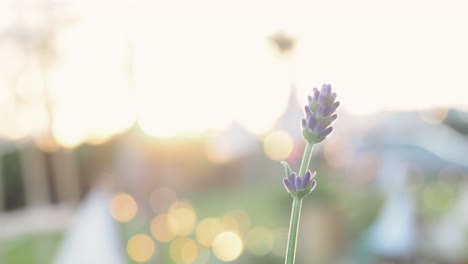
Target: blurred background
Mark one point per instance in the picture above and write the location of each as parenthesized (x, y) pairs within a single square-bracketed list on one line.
[(137, 131)]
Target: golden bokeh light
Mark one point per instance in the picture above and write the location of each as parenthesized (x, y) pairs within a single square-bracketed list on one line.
[(227, 246), (160, 228), (183, 250), (140, 248), (182, 219), (123, 207), (277, 145), (259, 241), (207, 230)]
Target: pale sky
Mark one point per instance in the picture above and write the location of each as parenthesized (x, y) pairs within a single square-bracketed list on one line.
[(203, 64)]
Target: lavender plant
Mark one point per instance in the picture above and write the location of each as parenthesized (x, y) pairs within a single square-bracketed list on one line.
[(319, 114)]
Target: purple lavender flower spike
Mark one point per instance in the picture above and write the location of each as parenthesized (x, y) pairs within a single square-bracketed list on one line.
[(320, 113), (303, 123), (287, 184)]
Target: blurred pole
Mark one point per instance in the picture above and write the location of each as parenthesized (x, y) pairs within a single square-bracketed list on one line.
[(65, 176), (2, 188), (35, 177)]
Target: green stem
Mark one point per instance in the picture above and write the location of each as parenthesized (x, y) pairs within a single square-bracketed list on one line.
[(296, 210), (293, 229), (306, 159)]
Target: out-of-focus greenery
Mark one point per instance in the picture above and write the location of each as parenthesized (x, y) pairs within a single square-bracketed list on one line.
[(33, 249)]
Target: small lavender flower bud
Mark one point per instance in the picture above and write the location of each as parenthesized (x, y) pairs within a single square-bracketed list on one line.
[(300, 186)]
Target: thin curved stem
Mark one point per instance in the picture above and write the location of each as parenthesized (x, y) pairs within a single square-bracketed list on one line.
[(296, 210)]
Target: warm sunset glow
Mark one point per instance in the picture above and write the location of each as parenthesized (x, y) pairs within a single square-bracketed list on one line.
[(100, 84), (123, 207)]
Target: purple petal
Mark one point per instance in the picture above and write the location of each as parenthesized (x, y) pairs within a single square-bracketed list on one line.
[(298, 183), (333, 117), (306, 180), (321, 110), (316, 94), (310, 99), (335, 106), (293, 177), (326, 89), (319, 128), (326, 132), (322, 99), (307, 111), (304, 123), (312, 122), (287, 184), (326, 111)]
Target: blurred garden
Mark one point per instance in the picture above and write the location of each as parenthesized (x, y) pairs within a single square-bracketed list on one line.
[(152, 131)]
